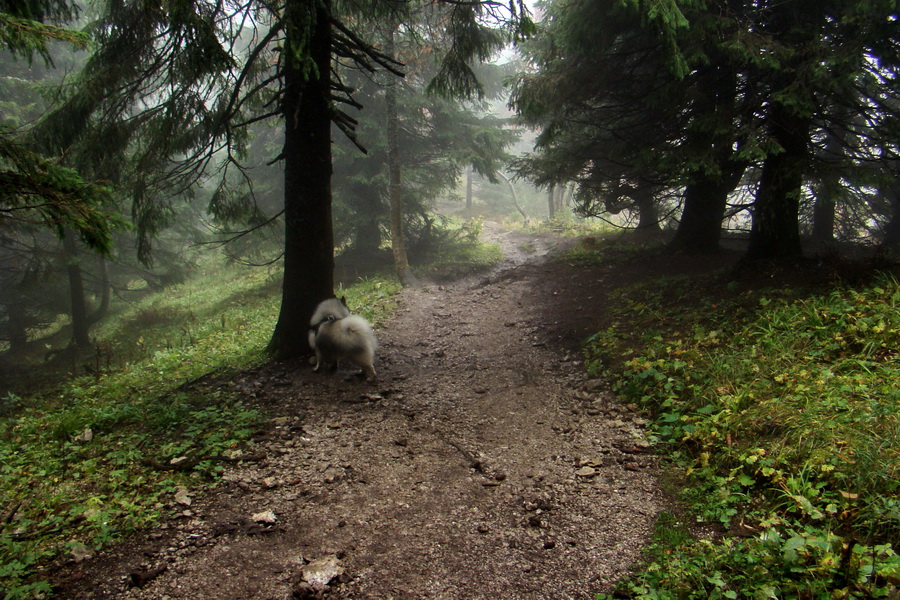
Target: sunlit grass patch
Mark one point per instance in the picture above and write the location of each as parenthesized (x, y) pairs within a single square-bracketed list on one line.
[(602, 245), (218, 303), (459, 253), (373, 298), (786, 420), (569, 227), (460, 260)]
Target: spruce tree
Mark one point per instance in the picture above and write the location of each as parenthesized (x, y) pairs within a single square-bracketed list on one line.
[(172, 88), (690, 96)]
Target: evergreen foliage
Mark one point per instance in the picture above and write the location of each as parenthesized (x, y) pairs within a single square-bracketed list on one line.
[(687, 97), (438, 139), (34, 188), (166, 101)]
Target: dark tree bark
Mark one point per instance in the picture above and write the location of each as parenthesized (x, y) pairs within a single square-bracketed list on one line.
[(705, 201), (775, 232), (891, 233), (829, 187), (824, 210), (398, 238), (78, 307), (706, 194), (309, 240), (103, 306)]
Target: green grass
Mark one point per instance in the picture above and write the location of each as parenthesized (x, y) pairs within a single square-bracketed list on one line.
[(569, 227), (460, 253), (163, 398), (460, 260), (783, 410)]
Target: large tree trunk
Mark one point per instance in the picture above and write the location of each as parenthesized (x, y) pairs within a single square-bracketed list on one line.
[(824, 209), (103, 306), (705, 201), (309, 241), (78, 306), (398, 239), (775, 232), (706, 194), (891, 233), (829, 188), (551, 202)]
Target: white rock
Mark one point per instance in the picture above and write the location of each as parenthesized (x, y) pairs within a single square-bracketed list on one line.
[(267, 516), (322, 571), (181, 496)]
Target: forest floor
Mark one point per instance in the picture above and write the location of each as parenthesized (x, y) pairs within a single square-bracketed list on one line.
[(480, 464)]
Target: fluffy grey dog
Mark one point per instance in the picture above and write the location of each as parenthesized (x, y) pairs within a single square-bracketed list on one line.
[(333, 307), (338, 335)]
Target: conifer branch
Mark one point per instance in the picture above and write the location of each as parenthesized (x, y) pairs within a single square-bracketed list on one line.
[(388, 63)]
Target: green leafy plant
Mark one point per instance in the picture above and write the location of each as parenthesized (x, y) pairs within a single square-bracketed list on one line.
[(783, 412)]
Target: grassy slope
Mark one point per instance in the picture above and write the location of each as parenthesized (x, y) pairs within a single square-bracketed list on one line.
[(781, 411), (77, 465)]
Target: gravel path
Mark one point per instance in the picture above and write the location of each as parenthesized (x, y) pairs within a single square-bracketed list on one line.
[(480, 465)]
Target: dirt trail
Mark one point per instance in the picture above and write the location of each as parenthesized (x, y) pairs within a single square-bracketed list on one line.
[(480, 465)]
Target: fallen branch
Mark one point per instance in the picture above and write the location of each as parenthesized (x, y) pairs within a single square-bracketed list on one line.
[(189, 463), (474, 462)]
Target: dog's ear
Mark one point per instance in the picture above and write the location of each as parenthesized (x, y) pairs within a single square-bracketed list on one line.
[(344, 300)]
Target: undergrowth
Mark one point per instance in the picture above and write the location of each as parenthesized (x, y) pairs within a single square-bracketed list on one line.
[(596, 247), (460, 253), (80, 467), (569, 228), (783, 411)]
